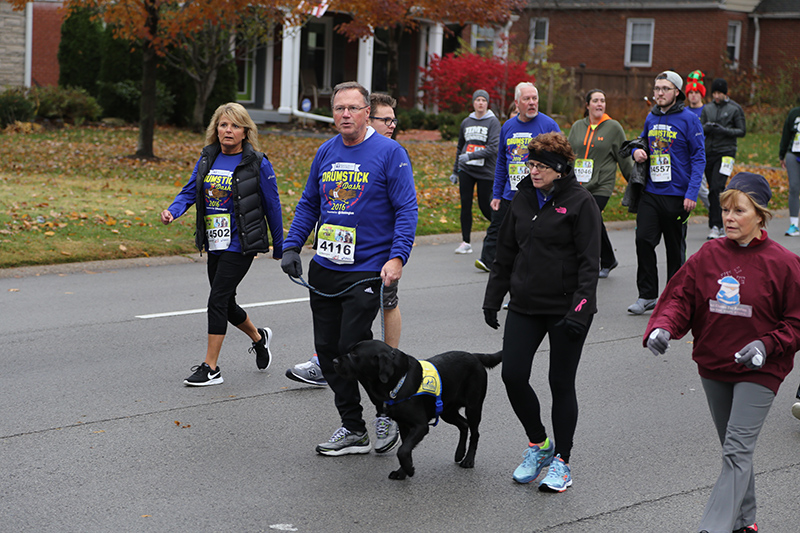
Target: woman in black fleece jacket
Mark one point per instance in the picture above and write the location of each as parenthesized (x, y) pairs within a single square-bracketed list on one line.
[(548, 255)]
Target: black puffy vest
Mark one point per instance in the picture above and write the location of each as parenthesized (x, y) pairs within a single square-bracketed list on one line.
[(247, 207)]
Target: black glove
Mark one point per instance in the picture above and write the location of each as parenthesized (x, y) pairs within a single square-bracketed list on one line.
[(752, 356), (575, 330), (291, 263), (490, 317)]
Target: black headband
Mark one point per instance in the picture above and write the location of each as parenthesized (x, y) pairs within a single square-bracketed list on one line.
[(555, 161)]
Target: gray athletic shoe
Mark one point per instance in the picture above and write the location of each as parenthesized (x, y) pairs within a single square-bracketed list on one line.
[(344, 442), (387, 436), (308, 372), (641, 305)]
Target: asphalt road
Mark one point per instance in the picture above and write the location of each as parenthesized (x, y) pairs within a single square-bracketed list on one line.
[(99, 434)]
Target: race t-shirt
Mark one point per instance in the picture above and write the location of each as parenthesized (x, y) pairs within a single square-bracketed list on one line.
[(218, 197)]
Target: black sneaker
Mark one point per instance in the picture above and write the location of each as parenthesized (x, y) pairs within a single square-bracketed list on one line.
[(263, 356), (203, 376)]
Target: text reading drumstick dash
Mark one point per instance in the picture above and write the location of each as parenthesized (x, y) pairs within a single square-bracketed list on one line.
[(203, 310)]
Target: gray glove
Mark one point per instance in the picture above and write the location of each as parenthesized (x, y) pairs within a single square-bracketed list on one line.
[(658, 341), (454, 178), (753, 356), (291, 263), (463, 158)]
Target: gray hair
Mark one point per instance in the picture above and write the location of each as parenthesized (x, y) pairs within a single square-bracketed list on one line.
[(518, 89), (348, 85)]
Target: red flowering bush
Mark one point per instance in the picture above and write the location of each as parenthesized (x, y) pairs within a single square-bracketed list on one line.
[(449, 81)]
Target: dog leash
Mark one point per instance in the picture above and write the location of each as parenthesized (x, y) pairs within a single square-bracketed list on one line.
[(305, 284)]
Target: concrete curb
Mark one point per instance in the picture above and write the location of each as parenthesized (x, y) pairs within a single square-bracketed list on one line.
[(117, 264)]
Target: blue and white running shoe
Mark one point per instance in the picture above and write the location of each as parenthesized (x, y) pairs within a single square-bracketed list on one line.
[(558, 477), (535, 459)]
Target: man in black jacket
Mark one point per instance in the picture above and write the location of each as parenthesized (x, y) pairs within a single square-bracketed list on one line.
[(723, 122)]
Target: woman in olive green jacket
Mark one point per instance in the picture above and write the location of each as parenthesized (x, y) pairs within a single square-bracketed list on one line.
[(596, 140)]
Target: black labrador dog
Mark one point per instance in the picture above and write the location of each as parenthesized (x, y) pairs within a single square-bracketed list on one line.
[(391, 376)]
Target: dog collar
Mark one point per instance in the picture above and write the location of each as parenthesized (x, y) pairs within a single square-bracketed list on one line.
[(393, 393)]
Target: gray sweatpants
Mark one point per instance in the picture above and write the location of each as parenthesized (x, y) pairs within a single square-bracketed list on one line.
[(739, 411)]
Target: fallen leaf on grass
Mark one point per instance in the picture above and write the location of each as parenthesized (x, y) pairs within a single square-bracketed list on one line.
[(123, 247)]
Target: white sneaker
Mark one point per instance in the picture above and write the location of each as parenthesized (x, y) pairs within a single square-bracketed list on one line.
[(465, 248), (713, 233)]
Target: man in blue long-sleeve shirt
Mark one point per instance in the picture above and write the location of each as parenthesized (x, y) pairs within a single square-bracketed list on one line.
[(677, 159), (361, 190)]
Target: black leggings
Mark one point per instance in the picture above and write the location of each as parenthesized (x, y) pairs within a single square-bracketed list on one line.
[(225, 272), (466, 186), (522, 337)]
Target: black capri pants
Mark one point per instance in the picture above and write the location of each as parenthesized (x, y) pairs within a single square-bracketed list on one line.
[(225, 271)]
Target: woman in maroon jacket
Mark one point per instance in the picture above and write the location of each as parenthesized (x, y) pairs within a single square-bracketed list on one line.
[(740, 298)]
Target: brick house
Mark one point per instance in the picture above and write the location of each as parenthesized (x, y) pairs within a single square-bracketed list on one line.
[(617, 45), (29, 43), (620, 45)]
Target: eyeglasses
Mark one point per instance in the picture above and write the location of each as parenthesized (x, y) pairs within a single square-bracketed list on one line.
[(339, 109), (658, 89), (538, 166), (389, 121)]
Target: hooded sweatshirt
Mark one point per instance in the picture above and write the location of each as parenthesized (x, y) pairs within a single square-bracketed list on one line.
[(600, 145), (676, 147), (479, 138)]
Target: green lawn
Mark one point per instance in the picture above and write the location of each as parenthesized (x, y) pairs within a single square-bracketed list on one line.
[(74, 195)]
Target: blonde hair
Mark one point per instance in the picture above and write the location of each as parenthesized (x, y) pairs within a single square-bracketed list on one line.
[(239, 116), (729, 197)]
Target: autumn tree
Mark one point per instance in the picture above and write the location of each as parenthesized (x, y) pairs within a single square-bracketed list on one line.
[(173, 26), (400, 16)]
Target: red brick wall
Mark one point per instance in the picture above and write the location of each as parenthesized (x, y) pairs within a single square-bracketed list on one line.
[(779, 44), (47, 19), (684, 40)]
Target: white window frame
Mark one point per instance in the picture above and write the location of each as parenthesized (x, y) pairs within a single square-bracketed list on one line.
[(249, 58), (476, 35), (736, 44), (533, 42), (629, 42)]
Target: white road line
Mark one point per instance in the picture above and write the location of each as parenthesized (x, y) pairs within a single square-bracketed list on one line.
[(203, 310)]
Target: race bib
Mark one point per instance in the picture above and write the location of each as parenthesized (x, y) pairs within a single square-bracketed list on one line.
[(218, 231), (660, 168), (516, 173), (583, 170), (337, 244), (727, 166), (796, 143), (475, 148)]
